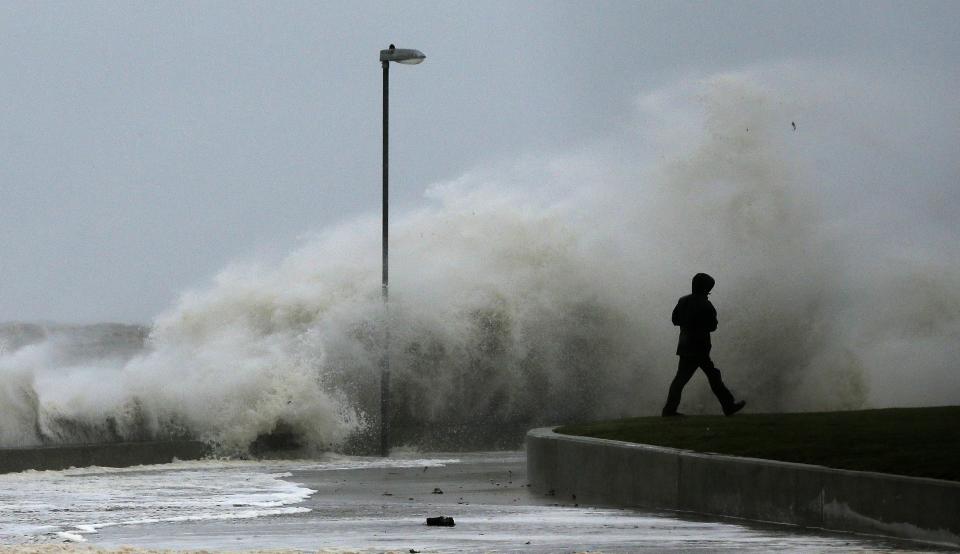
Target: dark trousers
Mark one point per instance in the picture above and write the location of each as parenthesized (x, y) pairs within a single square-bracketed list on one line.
[(685, 370)]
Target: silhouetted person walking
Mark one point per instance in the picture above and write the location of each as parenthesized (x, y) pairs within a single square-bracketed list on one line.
[(697, 318)]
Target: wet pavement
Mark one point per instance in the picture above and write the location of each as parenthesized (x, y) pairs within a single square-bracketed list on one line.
[(383, 507)]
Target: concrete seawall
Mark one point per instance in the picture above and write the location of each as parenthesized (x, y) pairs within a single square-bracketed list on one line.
[(615, 473), (123, 454)]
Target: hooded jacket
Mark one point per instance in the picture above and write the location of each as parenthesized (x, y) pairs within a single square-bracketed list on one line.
[(696, 317)]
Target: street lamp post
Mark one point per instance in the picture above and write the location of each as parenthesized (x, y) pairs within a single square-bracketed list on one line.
[(404, 56)]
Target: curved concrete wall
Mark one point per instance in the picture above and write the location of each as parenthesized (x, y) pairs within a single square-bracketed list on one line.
[(616, 473), (122, 454)]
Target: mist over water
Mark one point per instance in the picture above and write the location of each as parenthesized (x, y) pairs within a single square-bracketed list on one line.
[(540, 291)]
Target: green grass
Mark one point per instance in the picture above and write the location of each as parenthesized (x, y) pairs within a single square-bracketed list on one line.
[(922, 442)]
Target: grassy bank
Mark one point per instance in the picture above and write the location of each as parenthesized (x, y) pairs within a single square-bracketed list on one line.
[(922, 442)]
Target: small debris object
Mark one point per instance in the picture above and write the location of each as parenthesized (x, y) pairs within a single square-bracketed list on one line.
[(437, 491), (440, 521), (412, 551)]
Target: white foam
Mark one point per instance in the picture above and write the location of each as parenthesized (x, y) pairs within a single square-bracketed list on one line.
[(72, 537), (75, 502)]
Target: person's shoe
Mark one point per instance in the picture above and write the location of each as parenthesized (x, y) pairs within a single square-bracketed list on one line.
[(672, 414), (734, 408)]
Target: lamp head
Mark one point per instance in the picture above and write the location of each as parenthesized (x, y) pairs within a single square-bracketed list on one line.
[(402, 55)]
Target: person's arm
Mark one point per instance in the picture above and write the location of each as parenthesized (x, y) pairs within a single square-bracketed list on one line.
[(678, 313), (711, 320)]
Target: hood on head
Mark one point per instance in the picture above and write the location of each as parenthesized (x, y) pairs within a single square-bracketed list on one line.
[(702, 283)]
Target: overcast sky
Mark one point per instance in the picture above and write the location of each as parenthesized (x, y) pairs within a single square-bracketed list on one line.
[(145, 145)]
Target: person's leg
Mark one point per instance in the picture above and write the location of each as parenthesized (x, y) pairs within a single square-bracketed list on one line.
[(685, 370), (716, 383)]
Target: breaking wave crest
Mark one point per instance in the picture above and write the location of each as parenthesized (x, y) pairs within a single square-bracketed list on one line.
[(536, 292)]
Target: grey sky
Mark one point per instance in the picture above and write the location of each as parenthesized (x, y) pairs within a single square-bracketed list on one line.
[(143, 146)]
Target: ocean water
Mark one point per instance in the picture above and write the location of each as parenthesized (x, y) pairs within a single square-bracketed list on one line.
[(73, 505)]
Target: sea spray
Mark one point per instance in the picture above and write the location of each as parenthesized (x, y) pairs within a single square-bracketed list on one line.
[(538, 292)]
